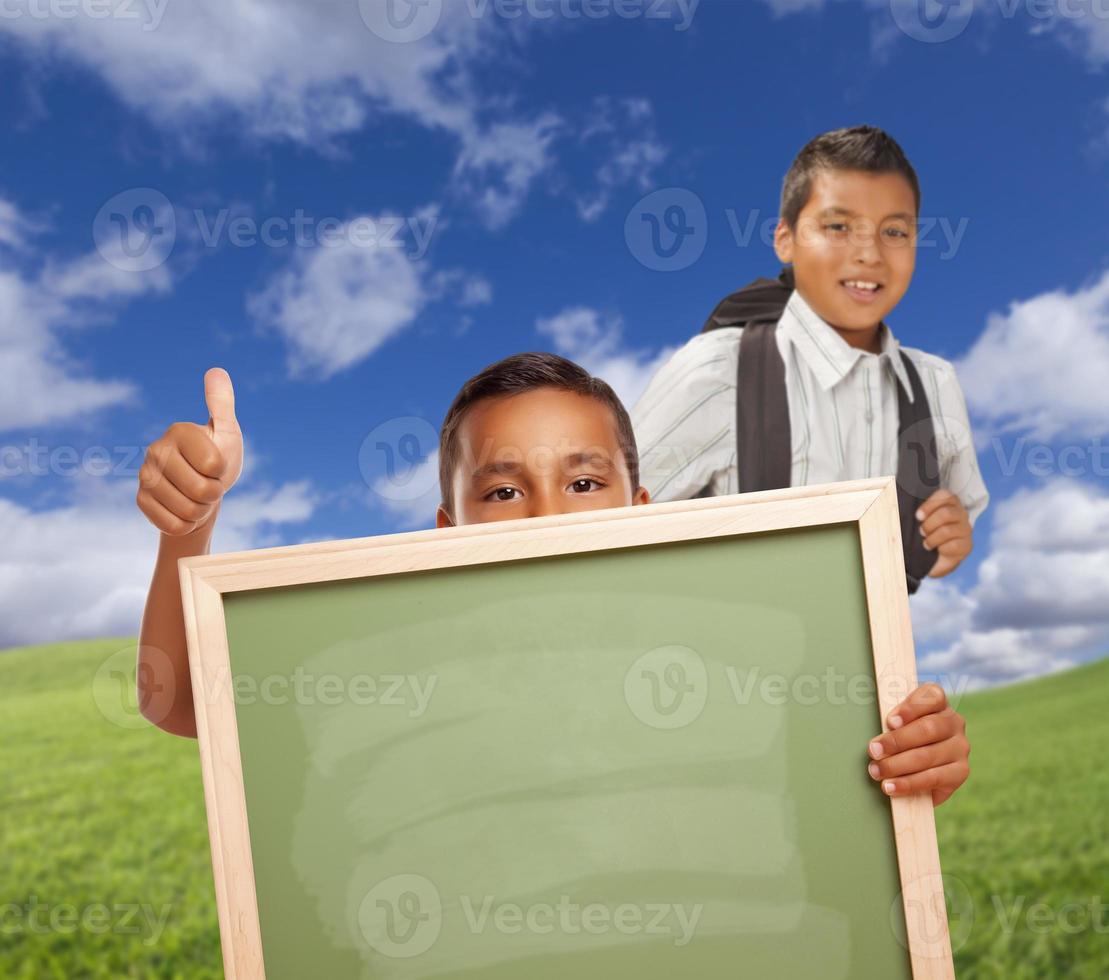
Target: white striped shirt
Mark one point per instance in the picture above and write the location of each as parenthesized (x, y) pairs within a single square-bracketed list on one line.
[(842, 406)]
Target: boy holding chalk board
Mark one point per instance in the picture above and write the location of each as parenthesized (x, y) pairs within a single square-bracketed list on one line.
[(529, 436), (799, 381)]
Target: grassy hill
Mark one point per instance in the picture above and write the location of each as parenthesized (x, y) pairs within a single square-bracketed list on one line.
[(105, 846)]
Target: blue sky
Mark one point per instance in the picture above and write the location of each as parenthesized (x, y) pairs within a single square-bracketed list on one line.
[(511, 151)]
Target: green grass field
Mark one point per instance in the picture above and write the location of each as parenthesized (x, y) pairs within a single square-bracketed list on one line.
[(106, 867)]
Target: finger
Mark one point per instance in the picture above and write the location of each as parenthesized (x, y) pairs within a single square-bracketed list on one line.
[(219, 395), (941, 796), (176, 503), (944, 566), (924, 731), (165, 462), (924, 699), (945, 535), (949, 777), (957, 548), (197, 446), (161, 518), (949, 750), (947, 514), (938, 499)]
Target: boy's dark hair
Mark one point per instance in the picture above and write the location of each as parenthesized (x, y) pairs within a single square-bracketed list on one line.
[(516, 375), (864, 148)]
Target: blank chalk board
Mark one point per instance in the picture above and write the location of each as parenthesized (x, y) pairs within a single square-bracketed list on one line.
[(621, 744)]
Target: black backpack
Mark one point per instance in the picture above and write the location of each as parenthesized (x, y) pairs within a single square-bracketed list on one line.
[(762, 415)]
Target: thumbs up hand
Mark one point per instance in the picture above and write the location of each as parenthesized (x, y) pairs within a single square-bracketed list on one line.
[(188, 470)]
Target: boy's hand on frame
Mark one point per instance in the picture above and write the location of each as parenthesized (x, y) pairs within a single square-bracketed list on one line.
[(945, 524), (926, 748)]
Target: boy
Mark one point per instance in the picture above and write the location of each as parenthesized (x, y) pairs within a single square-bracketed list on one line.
[(533, 434), (799, 381)]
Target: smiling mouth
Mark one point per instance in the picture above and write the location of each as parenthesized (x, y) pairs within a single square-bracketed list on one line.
[(864, 290)]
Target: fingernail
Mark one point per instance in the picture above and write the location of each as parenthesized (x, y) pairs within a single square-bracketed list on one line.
[(887, 787), (895, 721), (873, 770), (920, 515), (923, 533), (876, 750)]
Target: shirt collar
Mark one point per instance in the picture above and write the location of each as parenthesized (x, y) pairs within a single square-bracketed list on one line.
[(827, 354)]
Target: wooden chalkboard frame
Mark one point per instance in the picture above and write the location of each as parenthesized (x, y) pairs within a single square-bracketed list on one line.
[(869, 504)]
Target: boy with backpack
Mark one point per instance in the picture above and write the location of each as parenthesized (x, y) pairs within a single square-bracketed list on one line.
[(799, 381)]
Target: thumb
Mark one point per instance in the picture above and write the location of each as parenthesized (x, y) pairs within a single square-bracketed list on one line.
[(942, 567), (219, 396)]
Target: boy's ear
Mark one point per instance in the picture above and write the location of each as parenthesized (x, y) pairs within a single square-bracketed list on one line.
[(783, 242), (442, 518), (641, 497)]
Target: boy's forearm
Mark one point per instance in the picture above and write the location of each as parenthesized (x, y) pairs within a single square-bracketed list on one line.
[(164, 684)]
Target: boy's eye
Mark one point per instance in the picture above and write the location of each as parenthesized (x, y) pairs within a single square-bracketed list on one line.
[(501, 494), (836, 226), (583, 485), (897, 233)]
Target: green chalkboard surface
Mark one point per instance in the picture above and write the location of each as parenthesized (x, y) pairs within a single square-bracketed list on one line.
[(645, 762)]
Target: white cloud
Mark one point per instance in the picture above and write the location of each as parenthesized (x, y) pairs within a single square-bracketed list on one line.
[(498, 165), (305, 72), (941, 613), (245, 512), (1049, 560), (302, 71), (411, 502), (82, 570), (335, 305), (1041, 368), (313, 73), (783, 7), (1038, 603), (1080, 25), (595, 341), (476, 291), (1083, 27), (42, 384), (15, 228), (625, 129), (985, 658)]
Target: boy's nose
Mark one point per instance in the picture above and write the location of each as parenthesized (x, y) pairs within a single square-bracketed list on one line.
[(545, 503), (867, 252)]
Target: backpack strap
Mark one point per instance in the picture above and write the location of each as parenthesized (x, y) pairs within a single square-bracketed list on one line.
[(918, 473), (764, 452)]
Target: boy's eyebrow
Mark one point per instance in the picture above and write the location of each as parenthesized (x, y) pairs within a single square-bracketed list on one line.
[(504, 468), (578, 459), (829, 212), (510, 467)]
